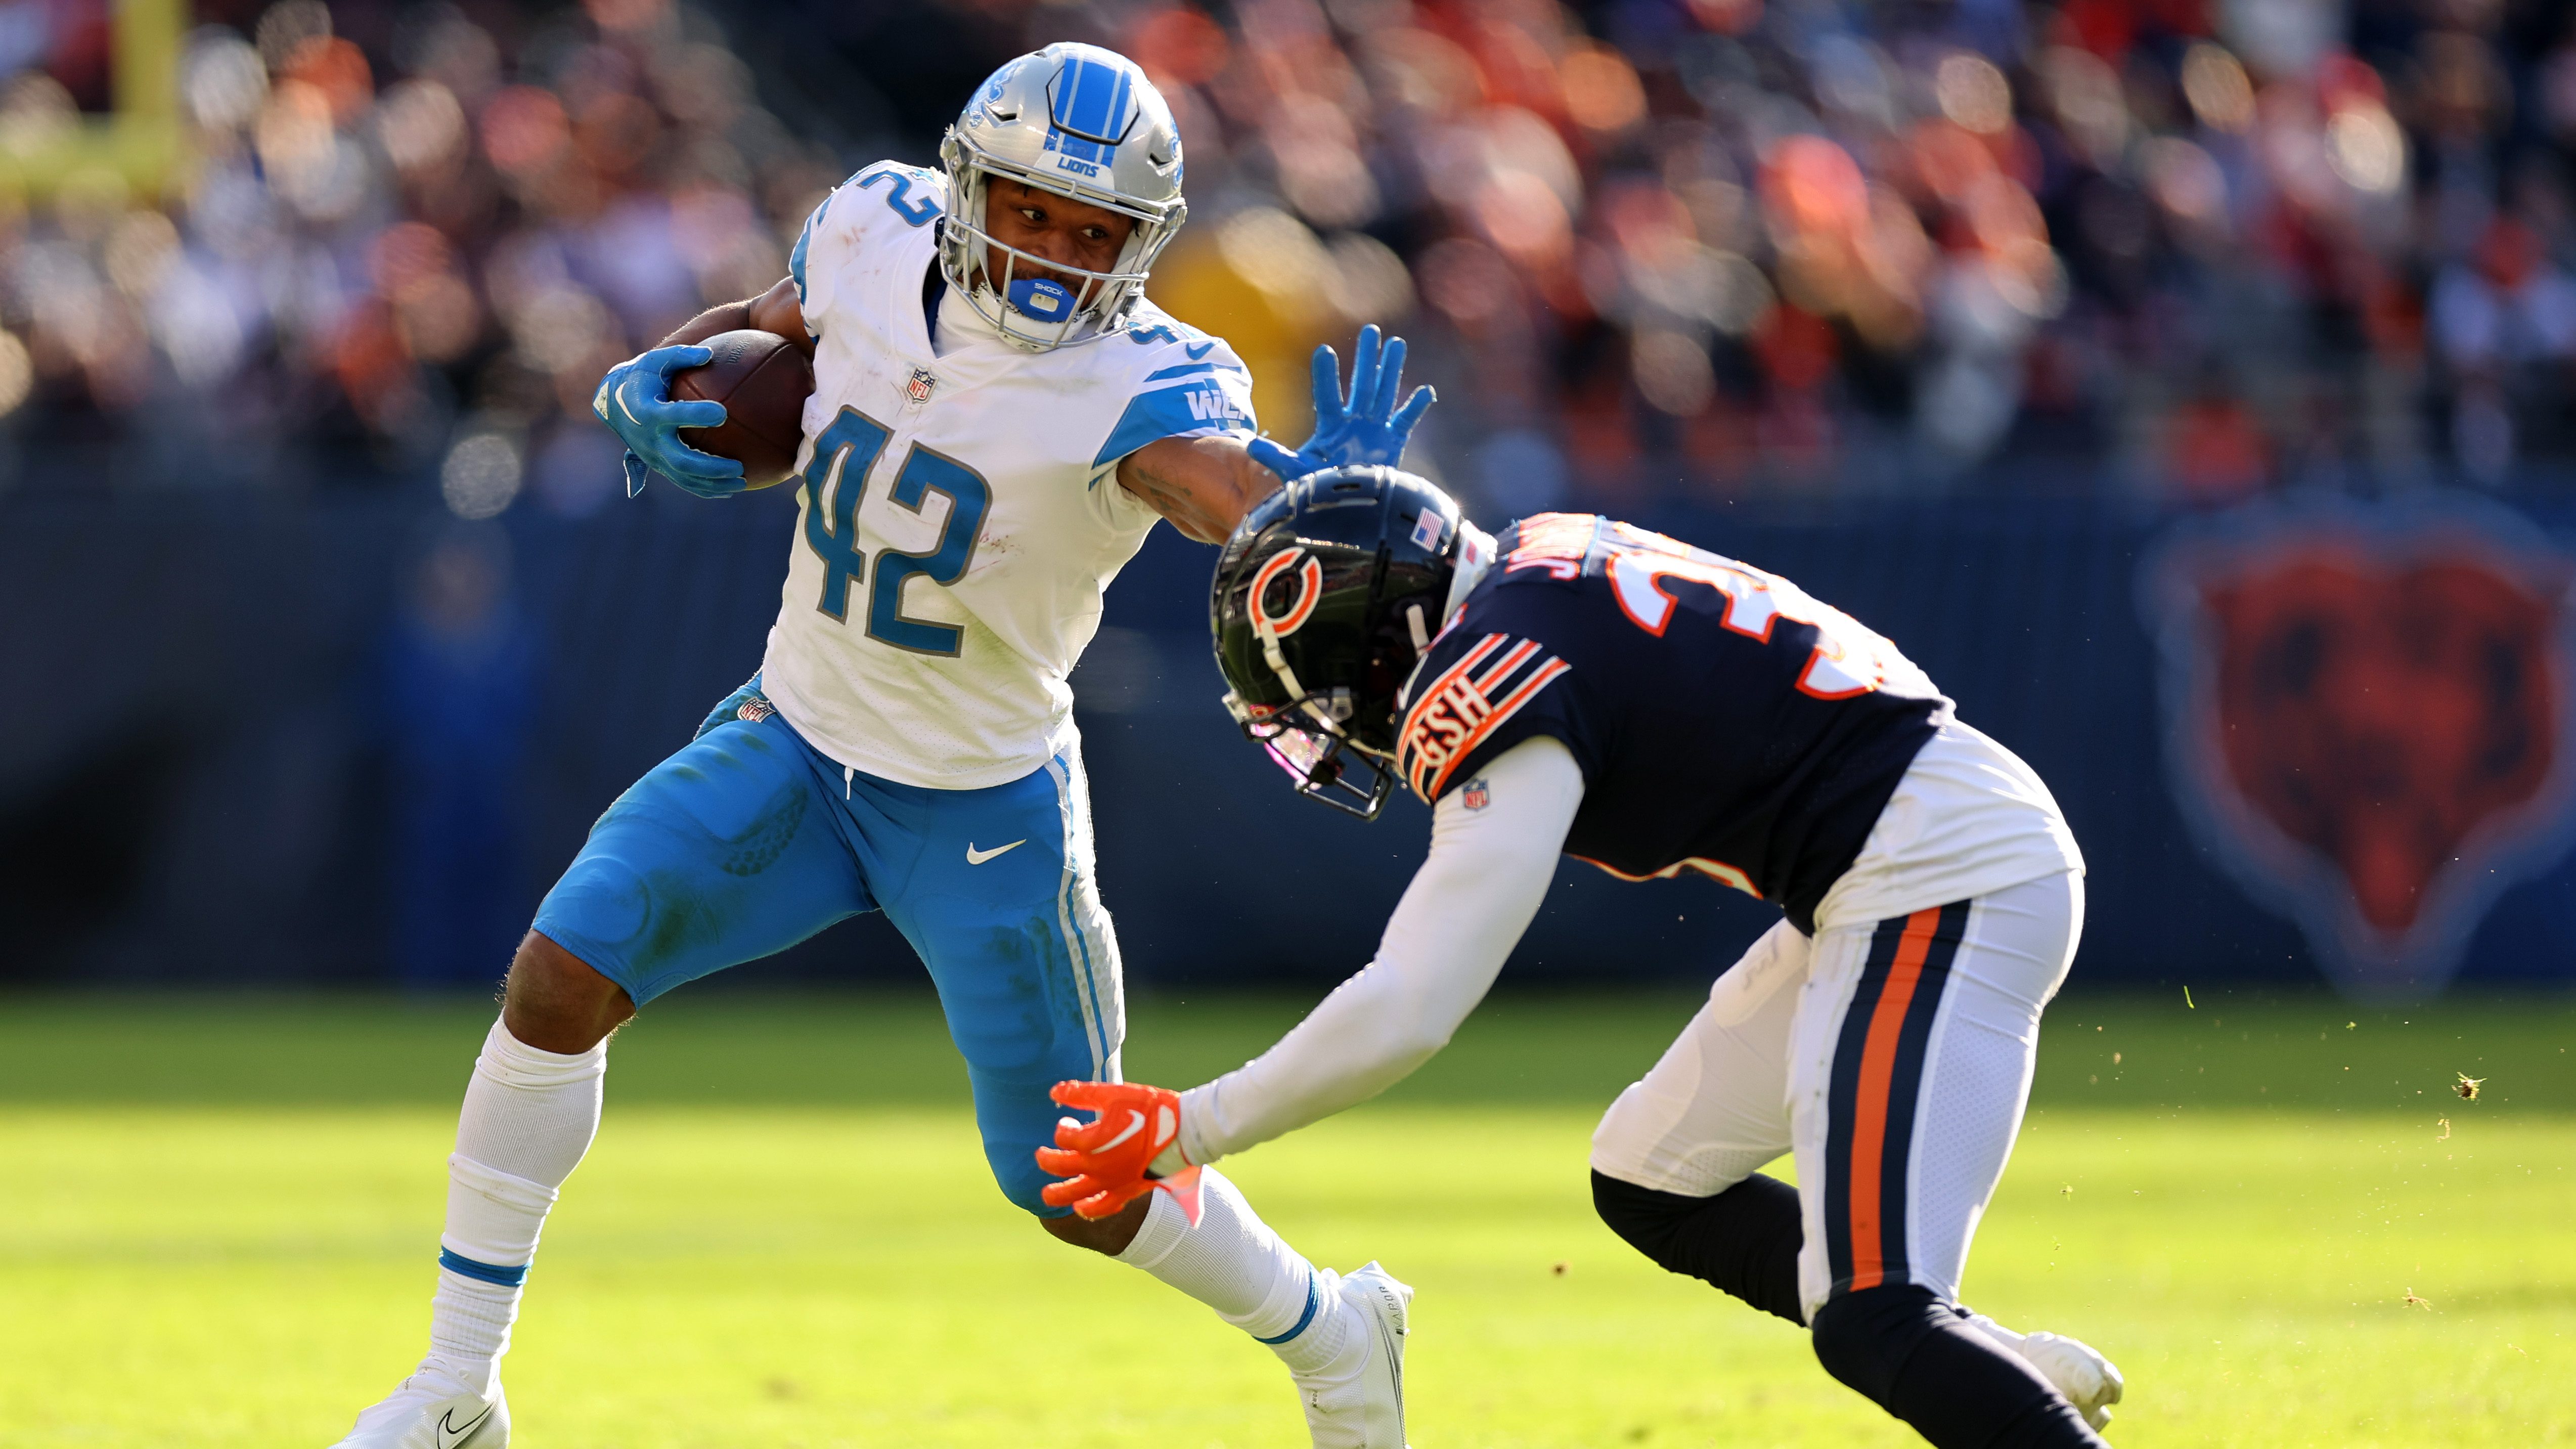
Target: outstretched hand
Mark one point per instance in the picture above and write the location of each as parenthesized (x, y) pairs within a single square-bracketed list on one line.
[(1368, 427), (1105, 1161), (634, 399)]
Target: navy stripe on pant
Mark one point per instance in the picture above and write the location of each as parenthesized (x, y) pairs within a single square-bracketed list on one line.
[(1875, 1092)]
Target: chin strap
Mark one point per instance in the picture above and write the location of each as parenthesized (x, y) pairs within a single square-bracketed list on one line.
[(1274, 656)]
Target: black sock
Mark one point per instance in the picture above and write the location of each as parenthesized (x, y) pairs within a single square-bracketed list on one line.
[(1744, 1240), (1916, 1358)]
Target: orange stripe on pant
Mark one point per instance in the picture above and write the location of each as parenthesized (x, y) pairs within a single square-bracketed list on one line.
[(1870, 1104)]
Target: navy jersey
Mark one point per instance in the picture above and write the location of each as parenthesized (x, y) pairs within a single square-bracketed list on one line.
[(1725, 721)]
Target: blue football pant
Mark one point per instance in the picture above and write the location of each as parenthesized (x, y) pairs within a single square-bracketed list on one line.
[(749, 840)]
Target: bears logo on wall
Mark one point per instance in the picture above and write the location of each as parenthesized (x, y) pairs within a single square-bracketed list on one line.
[(2369, 718)]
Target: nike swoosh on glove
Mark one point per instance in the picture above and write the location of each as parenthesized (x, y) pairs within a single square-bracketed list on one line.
[(1368, 428), (1107, 1161), (634, 399)]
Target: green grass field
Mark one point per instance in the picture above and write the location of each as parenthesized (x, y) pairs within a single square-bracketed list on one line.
[(217, 1219)]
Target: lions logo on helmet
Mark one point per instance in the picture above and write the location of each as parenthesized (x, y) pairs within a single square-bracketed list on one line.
[(1083, 123), (1325, 598)]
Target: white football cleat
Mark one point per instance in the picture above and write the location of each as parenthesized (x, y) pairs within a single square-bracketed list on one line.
[(433, 1409), (2073, 1367), (1362, 1407)]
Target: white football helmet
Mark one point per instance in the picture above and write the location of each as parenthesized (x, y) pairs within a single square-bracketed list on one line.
[(1084, 123)]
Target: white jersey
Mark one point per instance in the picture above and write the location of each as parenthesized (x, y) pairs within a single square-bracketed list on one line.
[(959, 514)]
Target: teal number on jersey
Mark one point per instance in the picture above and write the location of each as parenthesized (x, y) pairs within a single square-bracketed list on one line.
[(925, 472), (899, 199), (844, 455)]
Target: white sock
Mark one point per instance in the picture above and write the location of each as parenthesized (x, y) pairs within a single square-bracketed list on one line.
[(529, 1116), (1235, 1264)]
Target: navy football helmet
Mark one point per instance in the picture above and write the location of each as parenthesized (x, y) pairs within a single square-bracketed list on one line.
[(1325, 598)]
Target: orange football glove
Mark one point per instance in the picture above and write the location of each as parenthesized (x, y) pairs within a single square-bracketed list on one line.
[(1104, 1161)]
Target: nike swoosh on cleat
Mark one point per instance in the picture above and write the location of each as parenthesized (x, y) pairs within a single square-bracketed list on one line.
[(978, 857), (1201, 350), (450, 1434)]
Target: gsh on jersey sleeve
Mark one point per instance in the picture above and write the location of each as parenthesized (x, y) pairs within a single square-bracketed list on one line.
[(1726, 721)]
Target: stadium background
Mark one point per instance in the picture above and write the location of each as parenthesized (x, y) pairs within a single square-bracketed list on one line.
[(2185, 383), (325, 631)]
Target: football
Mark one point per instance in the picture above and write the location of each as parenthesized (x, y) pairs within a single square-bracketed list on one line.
[(763, 381)]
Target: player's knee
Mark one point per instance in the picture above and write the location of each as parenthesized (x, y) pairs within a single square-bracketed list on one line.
[(555, 1002), (1011, 1154), (1743, 1241), (1865, 1338), (1109, 1236), (1649, 1221)]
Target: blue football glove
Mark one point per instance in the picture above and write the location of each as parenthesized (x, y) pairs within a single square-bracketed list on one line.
[(635, 401), (1370, 428)]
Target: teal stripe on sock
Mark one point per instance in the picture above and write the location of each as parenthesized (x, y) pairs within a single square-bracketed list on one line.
[(518, 1277), (1314, 1300)]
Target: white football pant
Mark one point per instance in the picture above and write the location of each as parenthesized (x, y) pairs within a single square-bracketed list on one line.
[(1892, 1057)]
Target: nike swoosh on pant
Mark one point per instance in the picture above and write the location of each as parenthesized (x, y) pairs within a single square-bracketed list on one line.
[(978, 857)]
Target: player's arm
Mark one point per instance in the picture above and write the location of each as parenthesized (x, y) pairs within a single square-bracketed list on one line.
[(1487, 873), (1203, 485), (1475, 894), (776, 310)]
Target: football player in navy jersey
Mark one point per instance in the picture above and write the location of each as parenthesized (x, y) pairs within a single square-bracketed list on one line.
[(1585, 687)]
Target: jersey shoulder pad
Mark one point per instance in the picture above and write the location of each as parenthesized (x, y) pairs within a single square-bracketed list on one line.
[(887, 199), (1179, 382), (1471, 695), (1550, 545)]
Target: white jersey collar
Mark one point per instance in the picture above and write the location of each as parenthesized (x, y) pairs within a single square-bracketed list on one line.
[(1475, 560), (959, 325)]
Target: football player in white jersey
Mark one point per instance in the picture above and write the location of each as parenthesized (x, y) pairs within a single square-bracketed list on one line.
[(999, 417)]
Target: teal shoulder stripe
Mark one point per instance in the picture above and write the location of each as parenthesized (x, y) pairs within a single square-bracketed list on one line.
[(1191, 369), (1168, 412)]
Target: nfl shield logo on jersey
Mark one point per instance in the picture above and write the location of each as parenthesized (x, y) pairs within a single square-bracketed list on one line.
[(919, 388), (2370, 718)]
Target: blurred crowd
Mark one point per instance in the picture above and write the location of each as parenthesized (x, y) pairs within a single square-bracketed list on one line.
[(2192, 248), (395, 256)]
